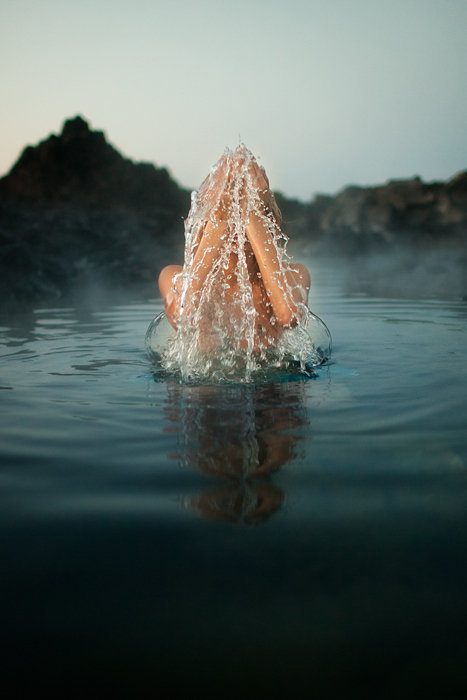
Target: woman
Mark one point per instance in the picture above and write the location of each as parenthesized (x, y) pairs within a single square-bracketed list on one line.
[(234, 258)]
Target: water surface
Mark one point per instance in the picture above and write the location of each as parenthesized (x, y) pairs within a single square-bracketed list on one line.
[(308, 531)]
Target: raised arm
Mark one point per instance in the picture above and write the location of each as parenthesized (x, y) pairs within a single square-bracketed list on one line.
[(207, 253), (275, 279), (286, 286)]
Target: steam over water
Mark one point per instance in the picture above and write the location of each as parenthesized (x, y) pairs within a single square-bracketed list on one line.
[(220, 334)]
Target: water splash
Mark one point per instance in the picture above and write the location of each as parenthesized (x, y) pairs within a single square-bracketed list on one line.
[(226, 326)]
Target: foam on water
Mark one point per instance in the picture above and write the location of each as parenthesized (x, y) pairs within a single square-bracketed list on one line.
[(219, 333)]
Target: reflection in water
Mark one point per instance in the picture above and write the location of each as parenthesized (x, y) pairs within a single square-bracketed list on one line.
[(242, 503), (241, 434)]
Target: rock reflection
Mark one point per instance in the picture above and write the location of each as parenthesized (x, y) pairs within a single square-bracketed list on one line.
[(241, 435)]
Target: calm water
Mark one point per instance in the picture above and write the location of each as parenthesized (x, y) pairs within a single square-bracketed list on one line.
[(308, 532)]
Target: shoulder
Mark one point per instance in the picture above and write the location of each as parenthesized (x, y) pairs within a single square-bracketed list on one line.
[(166, 278)]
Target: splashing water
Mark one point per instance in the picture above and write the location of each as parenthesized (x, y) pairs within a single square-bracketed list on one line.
[(226, 327)]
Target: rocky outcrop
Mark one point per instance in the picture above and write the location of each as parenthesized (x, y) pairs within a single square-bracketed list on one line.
[(399, 212), (73, 208)]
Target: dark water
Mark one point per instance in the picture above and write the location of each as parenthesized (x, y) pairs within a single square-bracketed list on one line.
[(303, 534)]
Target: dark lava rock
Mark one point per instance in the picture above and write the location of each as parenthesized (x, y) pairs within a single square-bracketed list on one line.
[(72, 208)]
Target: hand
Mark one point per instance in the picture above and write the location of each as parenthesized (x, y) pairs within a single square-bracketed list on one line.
[(259, 177), (212, 193)]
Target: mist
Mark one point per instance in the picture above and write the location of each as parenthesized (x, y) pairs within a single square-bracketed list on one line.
[(408, 273)]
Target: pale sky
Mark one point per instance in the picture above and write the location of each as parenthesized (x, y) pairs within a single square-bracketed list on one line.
[(325, 93)]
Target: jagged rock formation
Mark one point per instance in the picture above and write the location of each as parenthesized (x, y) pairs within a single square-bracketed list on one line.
[(72, 207)]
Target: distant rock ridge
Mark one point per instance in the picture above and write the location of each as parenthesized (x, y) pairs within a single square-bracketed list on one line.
[(72, 209), (400, 211)]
